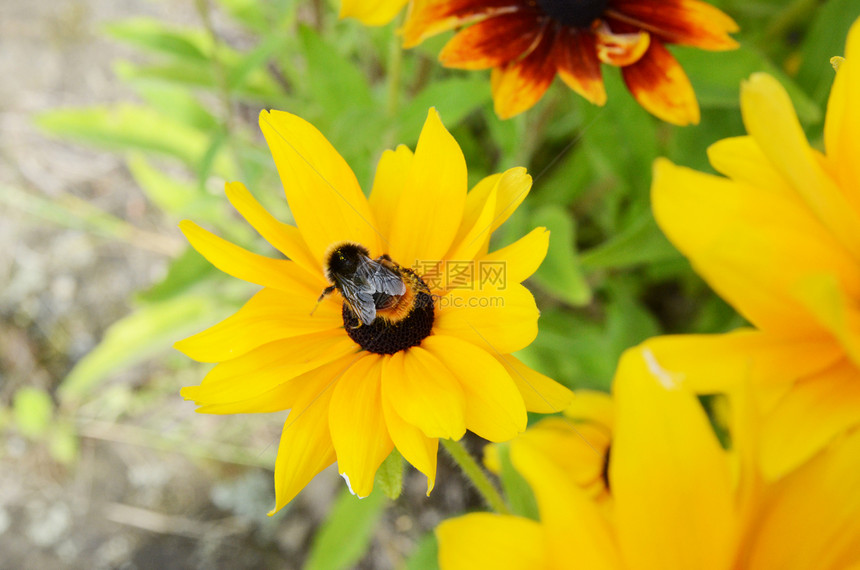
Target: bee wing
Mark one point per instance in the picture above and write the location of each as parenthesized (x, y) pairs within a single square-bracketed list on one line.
[(386, 281), (359, 297)]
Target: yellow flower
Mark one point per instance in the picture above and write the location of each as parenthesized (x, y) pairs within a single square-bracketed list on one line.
[(779, 239), (371, 12), (679, 500), (421, 367)]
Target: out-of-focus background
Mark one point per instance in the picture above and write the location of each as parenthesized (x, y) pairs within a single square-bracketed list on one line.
[(118, 118)]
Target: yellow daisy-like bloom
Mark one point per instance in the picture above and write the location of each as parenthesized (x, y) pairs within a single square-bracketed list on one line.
[(679, 500), (433, 358), (371, 12), (779, 239)]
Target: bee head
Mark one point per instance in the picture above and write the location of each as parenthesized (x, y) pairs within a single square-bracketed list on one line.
[(344, 258)]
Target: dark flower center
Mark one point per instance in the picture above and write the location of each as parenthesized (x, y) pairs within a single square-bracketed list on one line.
[(386, 336), (573, 13)]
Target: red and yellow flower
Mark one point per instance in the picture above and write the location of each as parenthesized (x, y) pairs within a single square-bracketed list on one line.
[(352, 399), (528, 42)]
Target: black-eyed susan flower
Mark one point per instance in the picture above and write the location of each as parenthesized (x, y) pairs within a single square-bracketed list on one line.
[(679, 500), (779, 239), (528, 42), (376, 364)]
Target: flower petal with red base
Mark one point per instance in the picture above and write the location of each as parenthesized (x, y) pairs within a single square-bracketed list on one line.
[(492, 42), (575, 54), (683, 22), (660, 85), (518, 86)]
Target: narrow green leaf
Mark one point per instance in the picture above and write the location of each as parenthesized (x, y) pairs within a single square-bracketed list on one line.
[(389, 476), (140, 335), (33, 410), (560, 272), (332, 79), (517, 491), (157, 37), (345, 536), (640, 242), (426, 554), (188, 269), (454, 98)]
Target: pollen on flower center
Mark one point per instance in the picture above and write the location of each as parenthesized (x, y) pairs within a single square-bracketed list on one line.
[(397, 326), (573, 13)]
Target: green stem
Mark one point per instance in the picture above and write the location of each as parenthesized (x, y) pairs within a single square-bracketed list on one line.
[(395, 69), (476, 475)]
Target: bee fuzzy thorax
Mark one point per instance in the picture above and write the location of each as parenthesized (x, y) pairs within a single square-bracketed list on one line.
[(386, 308)]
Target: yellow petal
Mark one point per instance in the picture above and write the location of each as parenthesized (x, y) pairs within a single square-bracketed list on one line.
[(835, 309), (843, 121), (371, 12), (268, 316), (357, 427), (540, 393), (268, 366), (477, 237), (521, 258), (813, 517), (296, 393), (809, 416), (390, 181), (670, 479), (242, 264), (430, 208), (742, 160), (500, 321), (578, 534), (750, 244), (494, 407), (418, 449), (305, 450), (322, 191), (286, 238), (593, 407), (769, 117), (425, 393), (487, 540), (511, 187)]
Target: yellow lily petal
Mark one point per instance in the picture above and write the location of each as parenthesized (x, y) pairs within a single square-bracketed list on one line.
[(769, 117), (523, 257), (670, 479), (418, 449), (809, 416), (750, 245), (268, 366), (268, 316), (305, 450), (322, 191), (500, 321), (286, 238), (540, 393), (430, 208), (494, 407), (813, 517), (371, 12), (296, 393), (357, 427), (577, 533), (425, 393), (843, 120), (486, 540), (242, 264), (391, 177)]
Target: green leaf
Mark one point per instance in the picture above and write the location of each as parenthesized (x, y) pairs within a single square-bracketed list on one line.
[(454, 98), (426, 554), (186, 270), (717, 76), (389, 476), (345, 536), (560, 272), (640, 242), (33, 410), (140, 335), (517, 491), (254, 61), (132, 127), (333, 81), (157, 37)]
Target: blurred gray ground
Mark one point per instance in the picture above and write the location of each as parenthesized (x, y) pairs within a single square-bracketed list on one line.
[(125, 504)]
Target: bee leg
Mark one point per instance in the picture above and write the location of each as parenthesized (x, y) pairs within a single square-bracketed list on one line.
[(326, 292)]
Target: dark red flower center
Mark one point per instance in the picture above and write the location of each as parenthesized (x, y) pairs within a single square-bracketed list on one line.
[(573, 13)]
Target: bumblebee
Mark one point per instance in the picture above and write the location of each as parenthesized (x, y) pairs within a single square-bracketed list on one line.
[(366, 285)]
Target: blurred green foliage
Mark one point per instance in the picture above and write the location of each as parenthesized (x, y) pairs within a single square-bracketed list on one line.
[(610, 279)]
